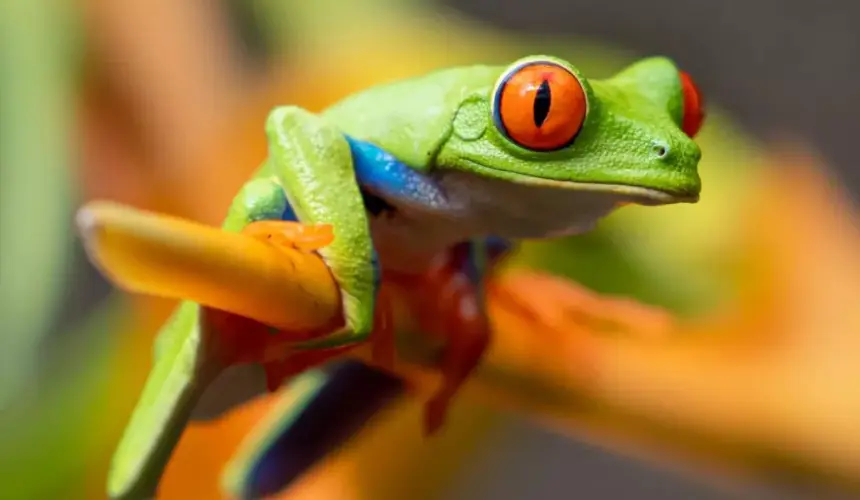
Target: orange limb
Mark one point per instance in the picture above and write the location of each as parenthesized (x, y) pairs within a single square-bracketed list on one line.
[(446, 304), (282, 362), (468, 337), (291, 234)]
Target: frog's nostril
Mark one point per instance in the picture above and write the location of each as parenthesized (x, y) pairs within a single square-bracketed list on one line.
[(661, 150)]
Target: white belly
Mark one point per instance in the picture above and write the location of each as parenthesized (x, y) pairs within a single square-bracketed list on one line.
[(409, 237)]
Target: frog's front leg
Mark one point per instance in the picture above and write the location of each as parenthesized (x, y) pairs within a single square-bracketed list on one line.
[(313, 162)]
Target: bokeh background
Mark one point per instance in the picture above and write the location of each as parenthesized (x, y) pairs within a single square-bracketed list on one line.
[(160, 104)]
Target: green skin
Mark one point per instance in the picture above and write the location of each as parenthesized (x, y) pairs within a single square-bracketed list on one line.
[(630, 149)]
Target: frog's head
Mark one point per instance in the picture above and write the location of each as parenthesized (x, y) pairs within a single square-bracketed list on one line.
[(542, 123)]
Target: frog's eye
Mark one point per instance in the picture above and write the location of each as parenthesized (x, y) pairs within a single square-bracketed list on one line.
[(694, 106), (540, 106)]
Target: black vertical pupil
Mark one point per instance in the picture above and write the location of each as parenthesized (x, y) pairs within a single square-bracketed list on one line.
[(543, 99)]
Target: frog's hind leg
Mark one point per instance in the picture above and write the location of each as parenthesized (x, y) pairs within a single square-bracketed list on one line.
[(317, 413), (468, 336), (449, 302)]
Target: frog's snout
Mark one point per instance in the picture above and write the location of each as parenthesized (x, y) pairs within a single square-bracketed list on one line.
[(678, 157), (676, 150)]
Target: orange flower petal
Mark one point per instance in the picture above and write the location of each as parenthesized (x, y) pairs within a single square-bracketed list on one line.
[(165, 256)]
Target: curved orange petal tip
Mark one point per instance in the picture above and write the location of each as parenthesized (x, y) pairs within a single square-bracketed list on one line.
[(558, 304), (153, 254)]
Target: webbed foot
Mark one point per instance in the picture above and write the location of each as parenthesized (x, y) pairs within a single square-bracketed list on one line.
[(289, 234)]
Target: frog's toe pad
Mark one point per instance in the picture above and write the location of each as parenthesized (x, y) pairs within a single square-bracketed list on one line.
[(291, 234)]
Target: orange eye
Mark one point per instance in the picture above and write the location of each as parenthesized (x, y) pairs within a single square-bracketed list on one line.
[(694, 106), (540, 106)]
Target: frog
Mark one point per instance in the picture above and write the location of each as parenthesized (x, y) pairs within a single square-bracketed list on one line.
[(428, 183)]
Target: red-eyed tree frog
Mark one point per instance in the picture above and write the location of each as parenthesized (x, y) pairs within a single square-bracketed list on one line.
[(427, 181)]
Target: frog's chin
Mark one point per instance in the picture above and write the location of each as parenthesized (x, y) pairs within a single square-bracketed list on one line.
[(630, 194)]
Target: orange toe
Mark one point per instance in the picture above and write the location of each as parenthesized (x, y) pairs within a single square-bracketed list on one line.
[(291, 234)]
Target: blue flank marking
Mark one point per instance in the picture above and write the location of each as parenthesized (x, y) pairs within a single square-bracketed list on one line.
[(386, 176)]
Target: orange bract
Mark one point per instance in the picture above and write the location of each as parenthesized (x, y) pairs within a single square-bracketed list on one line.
[(694, 106), (541, 106)]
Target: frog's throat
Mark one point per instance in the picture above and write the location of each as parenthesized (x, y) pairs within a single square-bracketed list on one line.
[(636, 194)]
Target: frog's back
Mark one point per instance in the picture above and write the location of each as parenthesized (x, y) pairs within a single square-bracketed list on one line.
[(410, 118)]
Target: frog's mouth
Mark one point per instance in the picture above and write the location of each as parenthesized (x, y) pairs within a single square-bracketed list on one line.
[(641, 195)]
